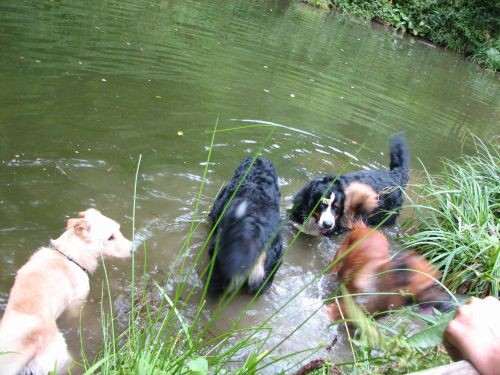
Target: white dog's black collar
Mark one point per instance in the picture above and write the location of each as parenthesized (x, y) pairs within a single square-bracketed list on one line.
[(74, 261)]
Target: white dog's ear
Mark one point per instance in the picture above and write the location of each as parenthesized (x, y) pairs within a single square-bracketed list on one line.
[(87, 212), (81, 226), (71, 223)]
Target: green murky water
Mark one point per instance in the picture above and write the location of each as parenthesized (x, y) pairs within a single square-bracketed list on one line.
[(88, 86)]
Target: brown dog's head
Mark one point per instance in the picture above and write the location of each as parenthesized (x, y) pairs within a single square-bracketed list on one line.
[(421, 281), (395, 282), (412, 279)]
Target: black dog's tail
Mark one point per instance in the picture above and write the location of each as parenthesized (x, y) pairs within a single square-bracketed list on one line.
[(400, 160)]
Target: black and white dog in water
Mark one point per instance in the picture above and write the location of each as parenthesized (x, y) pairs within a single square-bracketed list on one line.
[(329, 205), (247, 242)]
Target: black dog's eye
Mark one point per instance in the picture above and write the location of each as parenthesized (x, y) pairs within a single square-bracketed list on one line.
[(112, 237)]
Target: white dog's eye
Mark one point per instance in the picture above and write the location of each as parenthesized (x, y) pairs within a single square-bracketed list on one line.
[(112, 237)]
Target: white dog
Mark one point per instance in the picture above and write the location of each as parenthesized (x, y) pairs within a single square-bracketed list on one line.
[(54, 278)]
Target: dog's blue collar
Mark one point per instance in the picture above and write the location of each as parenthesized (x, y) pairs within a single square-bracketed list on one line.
[(72, 260)]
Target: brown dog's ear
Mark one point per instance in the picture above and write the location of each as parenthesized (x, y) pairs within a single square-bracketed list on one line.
[(360, 199)]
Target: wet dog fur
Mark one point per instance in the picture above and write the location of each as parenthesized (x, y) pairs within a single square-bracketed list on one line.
[(320, 206), (247, 242), (54, 279), (363, 264)]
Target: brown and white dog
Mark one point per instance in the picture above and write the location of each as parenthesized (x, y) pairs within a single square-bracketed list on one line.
[(363, 264), (54, 278)]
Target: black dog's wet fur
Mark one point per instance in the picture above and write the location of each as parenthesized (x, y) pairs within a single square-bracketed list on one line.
[(240, 240), (388, 184)]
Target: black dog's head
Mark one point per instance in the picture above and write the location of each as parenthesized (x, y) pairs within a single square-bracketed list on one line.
[(325, 199), (333, 205)]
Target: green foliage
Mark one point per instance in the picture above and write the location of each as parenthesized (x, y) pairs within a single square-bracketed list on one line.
[(198, 366), (382, 349), (469, 27), (457, 227), (322, 4), (431, 336)]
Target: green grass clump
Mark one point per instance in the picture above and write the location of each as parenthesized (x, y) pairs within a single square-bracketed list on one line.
[(458, 226)]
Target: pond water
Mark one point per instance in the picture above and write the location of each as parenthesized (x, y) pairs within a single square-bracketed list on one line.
[(88, 86)]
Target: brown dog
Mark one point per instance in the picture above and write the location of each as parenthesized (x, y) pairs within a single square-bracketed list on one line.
[(53, 279), (364, 265)]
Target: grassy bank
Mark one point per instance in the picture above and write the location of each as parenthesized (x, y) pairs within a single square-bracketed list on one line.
[(467, 27), (170, 332), (457, 222)]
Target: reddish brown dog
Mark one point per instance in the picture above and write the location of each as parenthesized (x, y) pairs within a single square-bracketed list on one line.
[(364, 266)]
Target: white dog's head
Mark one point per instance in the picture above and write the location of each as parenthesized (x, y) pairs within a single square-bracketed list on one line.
[(101, 231), (91, 236)]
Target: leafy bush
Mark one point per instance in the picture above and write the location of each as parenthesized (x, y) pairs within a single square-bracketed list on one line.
[(468, 27)]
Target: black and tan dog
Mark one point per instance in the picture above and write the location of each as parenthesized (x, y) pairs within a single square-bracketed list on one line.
[(364, 266), (324, 204), (247, 242)]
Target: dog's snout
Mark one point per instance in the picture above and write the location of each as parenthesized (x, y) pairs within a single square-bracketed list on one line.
[(326, 221), (327, 224)]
